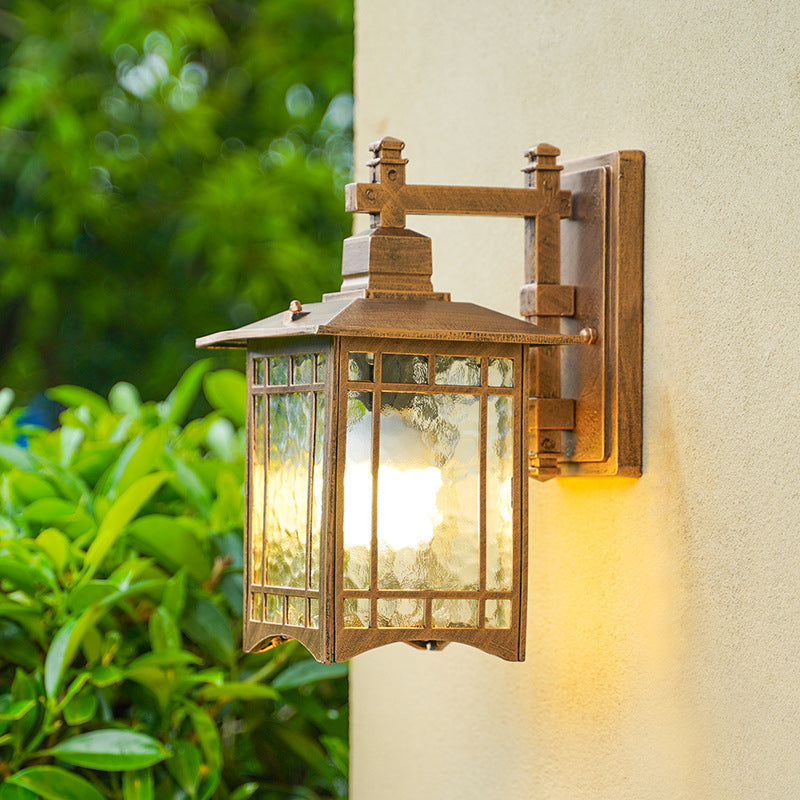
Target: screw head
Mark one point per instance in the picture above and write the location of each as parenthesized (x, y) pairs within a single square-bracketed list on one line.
[(295, 307)]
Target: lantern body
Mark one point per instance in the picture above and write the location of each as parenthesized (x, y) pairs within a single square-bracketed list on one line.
[(385, 493)]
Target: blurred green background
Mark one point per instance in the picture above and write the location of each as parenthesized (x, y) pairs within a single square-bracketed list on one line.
[(168, 168)]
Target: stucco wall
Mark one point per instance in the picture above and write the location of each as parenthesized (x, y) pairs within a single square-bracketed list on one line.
[(664, 626)]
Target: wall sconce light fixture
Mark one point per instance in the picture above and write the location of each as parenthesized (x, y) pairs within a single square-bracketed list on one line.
[(391, 432)]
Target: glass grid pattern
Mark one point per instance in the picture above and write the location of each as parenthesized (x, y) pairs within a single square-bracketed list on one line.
[(472, 393), (287, 437)]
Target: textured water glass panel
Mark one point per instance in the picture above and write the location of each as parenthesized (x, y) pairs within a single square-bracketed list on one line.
[(397, 368), (302, 369), (499, 479), (454, 613), (428, 491), (322, 367), (313, 614), (458, 371), (501, 372), (498, 613), (279, 371), (357, 511), (400, 613), (317, 487), (273, 608), (356, 612), (258, 372), (296, 611), (361, 366), (287, 488), (257, 608), (257, 475)]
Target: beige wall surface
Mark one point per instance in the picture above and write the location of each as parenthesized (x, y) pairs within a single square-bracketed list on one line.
[(664, 623)]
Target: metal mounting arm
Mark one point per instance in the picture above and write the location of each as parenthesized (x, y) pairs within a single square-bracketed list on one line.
[(601, 416)]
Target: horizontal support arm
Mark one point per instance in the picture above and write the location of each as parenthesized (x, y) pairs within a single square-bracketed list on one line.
[(375, 198)]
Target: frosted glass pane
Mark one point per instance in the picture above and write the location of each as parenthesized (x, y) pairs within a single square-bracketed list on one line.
[(404, 369), (356, 612), (458, 371), (428, 491), (257, 610), (258, 372), (401, 613), (314, 614), (316, 507), (501, 372), (361, 366), (322, 366), (357, 523), (499, 472), (287, 488), (455, 613), (498, 613), (296, 611), (279, 371), (257, 491), (302, 368), (273, 609)]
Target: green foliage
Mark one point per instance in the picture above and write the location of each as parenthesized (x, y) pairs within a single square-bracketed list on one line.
[(121, 674), (167, 169)]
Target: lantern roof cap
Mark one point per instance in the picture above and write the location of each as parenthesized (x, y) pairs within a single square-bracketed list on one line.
[(393, 318)]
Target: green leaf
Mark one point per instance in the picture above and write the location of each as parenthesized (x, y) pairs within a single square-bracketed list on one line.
[(182, 397), (171, 543), (184, 766), (71, 439), (308, 671), (16, 457), (10, 792), (138, 459), (81, 708), (226, 390), (110, 750), (14, 709), (56, 546), (6, 400), (244, 792), (209, 740), (64, 648), (137, 785), (208, 627), (75, 396), (164, 632), (54, 783), (118, 516), (49, 510), (239, 690), (124, 398), (174, 597), (23, 576)]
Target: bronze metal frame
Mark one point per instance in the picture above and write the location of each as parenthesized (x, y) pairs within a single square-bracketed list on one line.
[(583, 273)]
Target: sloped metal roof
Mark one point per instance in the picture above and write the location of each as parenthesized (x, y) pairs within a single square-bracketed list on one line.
[(394, 319)]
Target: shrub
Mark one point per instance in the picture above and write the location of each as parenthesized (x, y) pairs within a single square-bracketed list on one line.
[(121, 674)]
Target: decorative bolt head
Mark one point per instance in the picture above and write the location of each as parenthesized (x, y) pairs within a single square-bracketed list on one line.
[(589, 335), (295, 307)]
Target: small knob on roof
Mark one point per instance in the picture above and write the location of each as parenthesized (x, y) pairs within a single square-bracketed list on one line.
[(295, 307)]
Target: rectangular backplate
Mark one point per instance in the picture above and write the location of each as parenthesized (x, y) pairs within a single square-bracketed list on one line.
[(601, 256)]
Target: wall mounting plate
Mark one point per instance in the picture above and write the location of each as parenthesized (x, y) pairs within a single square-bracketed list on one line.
[(601, 256)]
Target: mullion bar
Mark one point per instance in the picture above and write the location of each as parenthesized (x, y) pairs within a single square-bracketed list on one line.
[(434, 594), (287, 590), (290, 388), (425, 388), (482, 500)]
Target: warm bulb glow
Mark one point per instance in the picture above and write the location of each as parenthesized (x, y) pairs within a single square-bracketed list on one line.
[(408, 512)]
